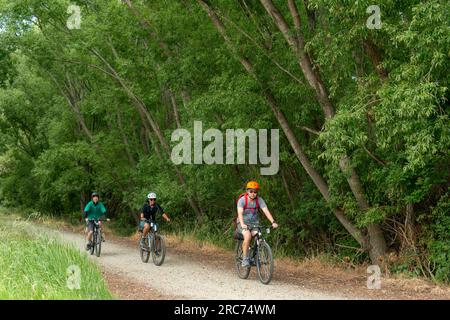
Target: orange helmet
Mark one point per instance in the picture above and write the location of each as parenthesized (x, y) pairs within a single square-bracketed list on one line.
[(252, 185)]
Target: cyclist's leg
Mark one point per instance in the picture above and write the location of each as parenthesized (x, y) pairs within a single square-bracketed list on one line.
[(145, 230), (254, 222), (90, 231), (247, 239), (246, 243), (141, 226), (254, 232)]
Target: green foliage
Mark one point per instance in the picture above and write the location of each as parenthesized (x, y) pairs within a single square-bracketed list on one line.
[(75, 108), (439, 243)]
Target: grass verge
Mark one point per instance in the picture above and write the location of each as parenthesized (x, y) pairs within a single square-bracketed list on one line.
[(40, 267)]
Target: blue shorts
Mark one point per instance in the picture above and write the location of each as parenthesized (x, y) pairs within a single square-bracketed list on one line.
[(253, 224), (142, 224)]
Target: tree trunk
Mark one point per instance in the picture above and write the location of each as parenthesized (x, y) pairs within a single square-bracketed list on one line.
[(284, 124), (174, 103), (125, 138), (410, 230), (375, 57), (297, 42), (146, 24), (144, 140), (142, 108), (287, 189), (185, 97)]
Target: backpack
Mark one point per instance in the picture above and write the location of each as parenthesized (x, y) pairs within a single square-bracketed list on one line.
[(255, 210)]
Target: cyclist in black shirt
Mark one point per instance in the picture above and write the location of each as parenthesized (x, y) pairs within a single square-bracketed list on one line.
[(149, 211)]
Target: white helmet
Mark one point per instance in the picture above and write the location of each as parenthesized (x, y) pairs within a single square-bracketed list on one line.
[(151, 195)]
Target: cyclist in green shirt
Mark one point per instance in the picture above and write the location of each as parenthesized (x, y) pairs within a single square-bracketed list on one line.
[(93, 210)]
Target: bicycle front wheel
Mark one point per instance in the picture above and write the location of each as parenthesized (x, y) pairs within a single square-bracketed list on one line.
[(98, 244), (264, 263), (242, 272), (94, 240), (158, 250), (144, 249)]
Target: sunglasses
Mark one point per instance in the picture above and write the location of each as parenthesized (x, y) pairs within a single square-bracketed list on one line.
[(152, 199), (252, 191)]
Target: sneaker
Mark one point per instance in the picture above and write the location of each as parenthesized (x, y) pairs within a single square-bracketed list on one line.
[(88, 246), (246, 262)]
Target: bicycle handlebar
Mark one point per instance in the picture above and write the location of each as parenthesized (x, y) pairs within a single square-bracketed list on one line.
[(260, 227)]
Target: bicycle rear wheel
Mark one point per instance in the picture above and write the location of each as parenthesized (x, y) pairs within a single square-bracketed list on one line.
[(158, 250), (264, 263), (98, 243), (242, 272), (144, 249)]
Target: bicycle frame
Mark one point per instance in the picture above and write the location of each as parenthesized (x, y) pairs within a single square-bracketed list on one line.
[(155, 245), (151, 232), (96, 222), (153, 226), (256, 239), (264, 263), (97, 236)]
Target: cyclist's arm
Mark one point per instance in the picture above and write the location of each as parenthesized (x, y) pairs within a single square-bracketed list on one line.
[(142, 213), (102, 212), (103, 209), (164, 214), (268, 214), (240, 211), (86, 210)]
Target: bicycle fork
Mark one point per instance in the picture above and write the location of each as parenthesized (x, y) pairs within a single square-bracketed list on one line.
[(253, 253), (149, 245)]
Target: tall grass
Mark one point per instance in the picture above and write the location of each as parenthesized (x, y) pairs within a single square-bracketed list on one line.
[(36, 267)]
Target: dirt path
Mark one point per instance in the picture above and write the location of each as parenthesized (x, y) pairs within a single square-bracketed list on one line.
[(206, 272), (182, 278)]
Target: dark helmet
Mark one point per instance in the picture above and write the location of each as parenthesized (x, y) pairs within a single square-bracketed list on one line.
[(95, 194)]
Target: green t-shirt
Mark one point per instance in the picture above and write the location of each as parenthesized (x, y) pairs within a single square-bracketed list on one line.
[(95, 211)]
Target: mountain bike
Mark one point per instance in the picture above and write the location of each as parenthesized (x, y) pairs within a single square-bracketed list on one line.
[(97, 237), (260, 256), (153, 244)]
